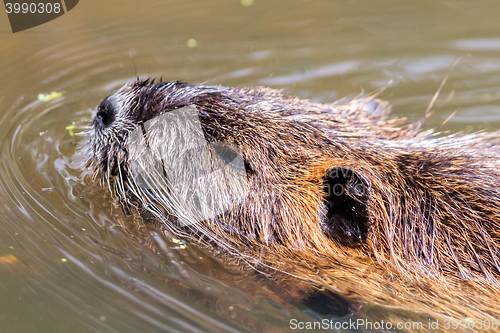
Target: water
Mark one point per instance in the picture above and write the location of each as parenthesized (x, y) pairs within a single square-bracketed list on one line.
[(75, 268)]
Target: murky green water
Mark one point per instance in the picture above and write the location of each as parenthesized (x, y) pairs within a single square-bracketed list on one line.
[(74, 269)]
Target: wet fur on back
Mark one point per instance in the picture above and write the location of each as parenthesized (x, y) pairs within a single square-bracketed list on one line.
[(417, 223)]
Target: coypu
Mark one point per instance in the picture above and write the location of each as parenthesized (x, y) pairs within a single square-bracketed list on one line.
[(338, 194)]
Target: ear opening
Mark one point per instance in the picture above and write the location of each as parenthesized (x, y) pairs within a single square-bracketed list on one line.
[(345, 215)]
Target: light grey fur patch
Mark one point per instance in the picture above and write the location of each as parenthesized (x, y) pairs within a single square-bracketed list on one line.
[(199, 180)]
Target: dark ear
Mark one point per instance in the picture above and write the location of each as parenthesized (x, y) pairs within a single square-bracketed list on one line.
[(345, 207)]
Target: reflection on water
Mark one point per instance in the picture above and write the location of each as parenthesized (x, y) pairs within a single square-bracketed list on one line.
[(340, 68), (76, 268), (477, 44), (486, 113)]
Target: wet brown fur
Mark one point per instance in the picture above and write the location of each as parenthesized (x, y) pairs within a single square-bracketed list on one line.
[(431, 243)]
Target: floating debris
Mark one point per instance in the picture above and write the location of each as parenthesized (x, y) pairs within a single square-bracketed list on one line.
[(49, 97), (182, 244), (70, 129), (10, 259), (191, 42), (246, 3)]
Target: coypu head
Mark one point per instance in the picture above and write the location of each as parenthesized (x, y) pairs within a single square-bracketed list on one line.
[(122, 111)]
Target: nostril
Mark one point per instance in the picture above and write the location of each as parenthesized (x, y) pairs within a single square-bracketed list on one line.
[(105, 113), (102, 117)]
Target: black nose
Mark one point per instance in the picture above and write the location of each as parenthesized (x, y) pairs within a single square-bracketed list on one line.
[(102, 118), (105, 113)]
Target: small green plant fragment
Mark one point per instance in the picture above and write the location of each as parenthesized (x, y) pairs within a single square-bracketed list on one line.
[(70, 129), (182, 244), (191, 43), (49, 97)]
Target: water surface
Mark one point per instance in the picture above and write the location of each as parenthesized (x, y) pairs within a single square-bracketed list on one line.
[(75, 268)]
